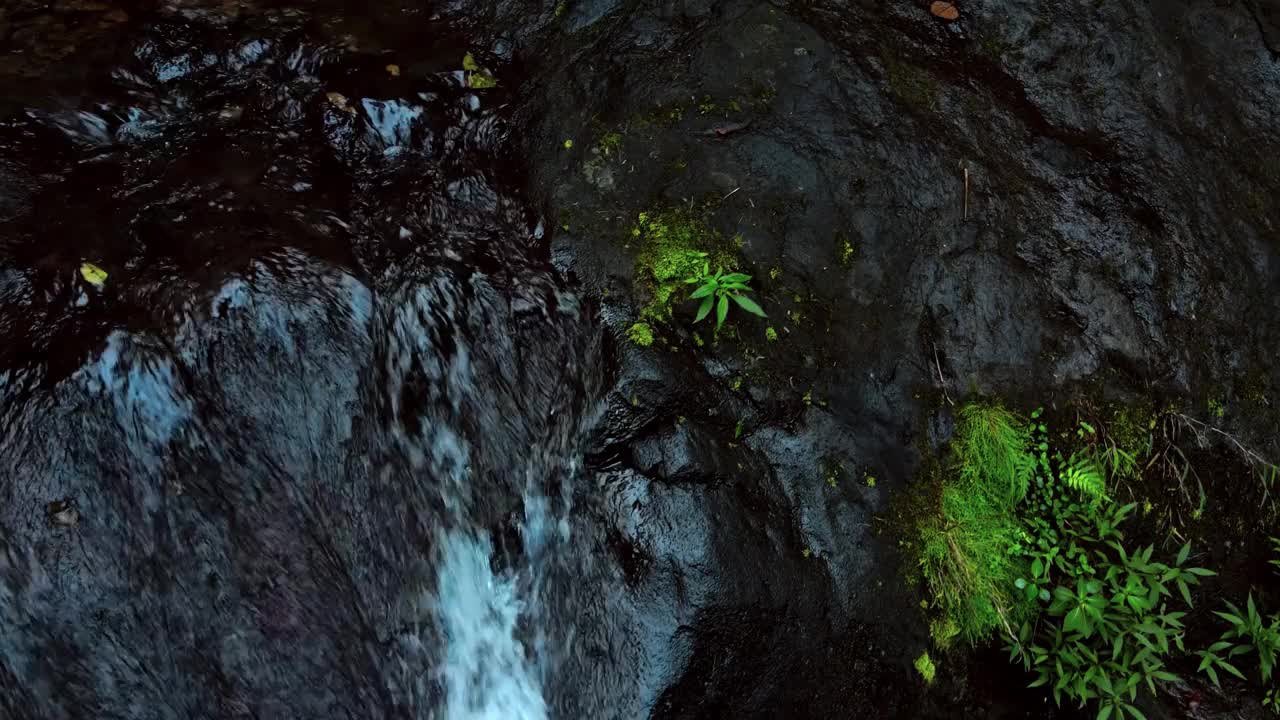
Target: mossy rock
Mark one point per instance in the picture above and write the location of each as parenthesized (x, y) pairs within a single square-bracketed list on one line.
[(674, 245)]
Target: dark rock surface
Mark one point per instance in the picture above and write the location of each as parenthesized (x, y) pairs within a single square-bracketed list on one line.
[(1121, 224), (322, 389)]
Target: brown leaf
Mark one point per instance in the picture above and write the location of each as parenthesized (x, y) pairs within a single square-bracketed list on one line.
[(944, 10)]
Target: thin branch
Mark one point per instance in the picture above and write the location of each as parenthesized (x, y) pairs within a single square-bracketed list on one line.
[(941, 380)]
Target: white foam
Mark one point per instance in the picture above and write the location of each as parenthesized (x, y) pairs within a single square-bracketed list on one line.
[(485, 672)]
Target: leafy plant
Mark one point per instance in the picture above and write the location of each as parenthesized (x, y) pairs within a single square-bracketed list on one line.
[(1247, 632), (1254, 635), (673, 245), (1027, 541), (718, 290), (1082, 474), (1108, 618), (1109, 632), (478, 77)]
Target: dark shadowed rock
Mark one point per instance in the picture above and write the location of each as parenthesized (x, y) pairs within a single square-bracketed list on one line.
[(353, 427)]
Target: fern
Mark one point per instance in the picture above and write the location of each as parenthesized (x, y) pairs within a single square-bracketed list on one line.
[(1083, 475)]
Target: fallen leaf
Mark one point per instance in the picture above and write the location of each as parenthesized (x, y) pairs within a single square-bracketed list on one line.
[(93, 274), (469, 63), (944, 10), (339, 101), (393, 70)]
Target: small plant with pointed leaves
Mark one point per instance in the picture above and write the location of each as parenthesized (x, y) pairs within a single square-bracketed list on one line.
[(1248, 632), (718, 289)]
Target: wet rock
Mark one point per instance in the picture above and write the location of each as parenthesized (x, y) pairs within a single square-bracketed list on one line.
[(343, 371), (1107, 234)]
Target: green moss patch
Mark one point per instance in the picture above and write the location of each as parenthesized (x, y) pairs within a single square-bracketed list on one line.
[(964, 546), (924, 665), (911, 85), (640, 334), (674, 246)]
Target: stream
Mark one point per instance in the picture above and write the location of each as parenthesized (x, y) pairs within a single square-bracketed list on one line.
[(310, 450)]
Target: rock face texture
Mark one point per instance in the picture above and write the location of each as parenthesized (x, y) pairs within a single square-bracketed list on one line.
[(353, 428)]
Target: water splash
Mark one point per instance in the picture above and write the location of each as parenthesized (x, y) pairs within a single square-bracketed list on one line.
[(486, 672)]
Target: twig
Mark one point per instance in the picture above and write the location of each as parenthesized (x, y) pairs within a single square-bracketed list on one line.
[(966, 193), (1265, 469), (731, 192), (1193, 423), (941, 380)]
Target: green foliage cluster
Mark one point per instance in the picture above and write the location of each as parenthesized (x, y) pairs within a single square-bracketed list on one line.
[(719, 289), (609, 144), (1247, 632), (673, 247), (1108, 618), (965, 547), (1027, 543), (477, 76)]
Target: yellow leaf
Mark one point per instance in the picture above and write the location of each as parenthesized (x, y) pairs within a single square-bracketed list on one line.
[(469, 63), (93, 274), (393, 70)]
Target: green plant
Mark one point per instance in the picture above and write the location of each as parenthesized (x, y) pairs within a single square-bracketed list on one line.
[(673, 246), (992, 450), (1082, 474), (1217, 407), (1108, 618), (609, 143), (718, 289), (965, 546), (480, 78), (1248, 633), (1109, 631), (1026, 541)]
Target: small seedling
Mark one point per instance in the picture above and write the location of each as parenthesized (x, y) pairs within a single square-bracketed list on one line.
[(716, 290)]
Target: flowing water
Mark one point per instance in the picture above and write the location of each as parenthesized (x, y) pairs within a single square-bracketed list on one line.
[(311, 450)]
